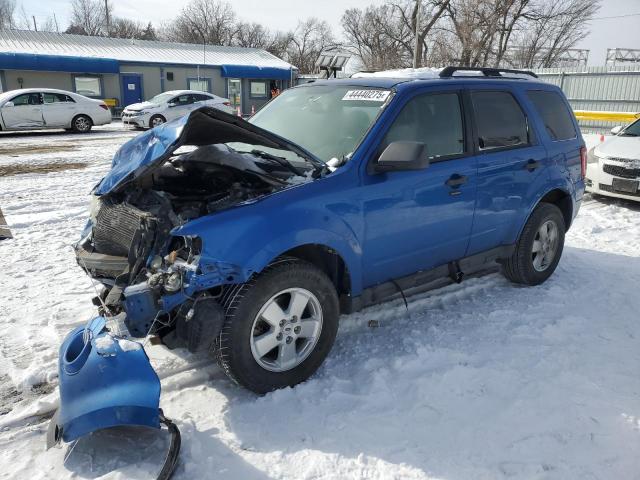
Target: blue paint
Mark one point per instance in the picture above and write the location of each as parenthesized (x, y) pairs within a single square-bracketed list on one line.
[(104, 387), (251, 71), (57, 63)]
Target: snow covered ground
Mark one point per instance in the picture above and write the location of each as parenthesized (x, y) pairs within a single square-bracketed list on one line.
[(478, 380)]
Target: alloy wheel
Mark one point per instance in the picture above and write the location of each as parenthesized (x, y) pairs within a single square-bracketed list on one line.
[(545, 245), (286, 329)]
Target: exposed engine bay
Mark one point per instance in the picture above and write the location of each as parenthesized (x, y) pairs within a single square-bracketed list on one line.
[(128, 247)]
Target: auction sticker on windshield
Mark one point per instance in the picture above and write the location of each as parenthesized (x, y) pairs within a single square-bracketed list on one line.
[(367, 95)]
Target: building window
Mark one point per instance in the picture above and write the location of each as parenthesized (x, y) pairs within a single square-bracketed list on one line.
[(88, 86), (202, 85), (170, 76), (258, 89)]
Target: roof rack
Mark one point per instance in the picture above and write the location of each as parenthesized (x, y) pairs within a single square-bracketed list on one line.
[(447, 72)]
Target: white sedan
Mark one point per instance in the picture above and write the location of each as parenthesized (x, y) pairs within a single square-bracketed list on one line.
[(170, 105), (613, 167), (37, 108)]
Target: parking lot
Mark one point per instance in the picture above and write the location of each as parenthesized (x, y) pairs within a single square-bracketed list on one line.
[(477, 380)]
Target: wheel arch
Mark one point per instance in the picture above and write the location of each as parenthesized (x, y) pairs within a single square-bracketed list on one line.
[(561, 199), (326, 259)]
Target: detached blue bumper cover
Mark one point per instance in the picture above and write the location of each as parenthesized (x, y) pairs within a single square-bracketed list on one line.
[(104, 382)]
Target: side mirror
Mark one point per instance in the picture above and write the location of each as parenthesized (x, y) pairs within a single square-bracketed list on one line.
[(171, 105), (616, 130), (402, 156), (8, 104)]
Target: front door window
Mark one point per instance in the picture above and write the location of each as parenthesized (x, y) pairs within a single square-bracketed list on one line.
[(235, 92)]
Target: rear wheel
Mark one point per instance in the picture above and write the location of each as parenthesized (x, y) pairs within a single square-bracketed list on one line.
[(81, 124), (279, 327), (539, 248), (156, 120)]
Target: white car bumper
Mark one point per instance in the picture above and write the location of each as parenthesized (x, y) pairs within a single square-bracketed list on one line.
[(614, 178), (133, 120)]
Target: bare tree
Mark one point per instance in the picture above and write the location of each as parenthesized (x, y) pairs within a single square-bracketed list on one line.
[(307, 41), (419, 17), (554, 28), (377, 37), (89, 17), (7, 11), (208, 21)]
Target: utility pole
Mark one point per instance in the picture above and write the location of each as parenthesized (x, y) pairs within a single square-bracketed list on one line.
[(416, 59), (106, 13), (35, 25)]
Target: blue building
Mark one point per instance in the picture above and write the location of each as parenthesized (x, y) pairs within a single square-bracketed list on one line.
[(123, 71)]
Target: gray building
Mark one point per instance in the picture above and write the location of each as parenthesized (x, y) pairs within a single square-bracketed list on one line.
[(123, 71)]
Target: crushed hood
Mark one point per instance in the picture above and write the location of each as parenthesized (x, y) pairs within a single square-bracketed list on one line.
[(205, 126)]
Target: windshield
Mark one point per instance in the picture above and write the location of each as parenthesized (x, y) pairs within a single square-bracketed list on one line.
[(632, 130), (161, 98), (327, 120)]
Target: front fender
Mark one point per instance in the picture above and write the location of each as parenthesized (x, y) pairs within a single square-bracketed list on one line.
[(104, 382), (244, 240)]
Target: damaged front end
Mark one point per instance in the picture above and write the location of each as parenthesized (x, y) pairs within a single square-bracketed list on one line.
[(156, 281)]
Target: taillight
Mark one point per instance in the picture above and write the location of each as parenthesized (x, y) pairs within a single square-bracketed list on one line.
[(102, 105), (583, 161)]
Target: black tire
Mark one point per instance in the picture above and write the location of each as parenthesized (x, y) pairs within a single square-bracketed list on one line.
[(81, 124), (242, 304), (155, 119), (519, 268)]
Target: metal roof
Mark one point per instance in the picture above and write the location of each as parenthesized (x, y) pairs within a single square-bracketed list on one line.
[(125, 50)]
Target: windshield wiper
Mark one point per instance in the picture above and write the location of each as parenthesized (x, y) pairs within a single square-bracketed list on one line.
[(279, 160)]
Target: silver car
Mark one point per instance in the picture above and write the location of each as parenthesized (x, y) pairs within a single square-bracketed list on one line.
[(37, 108), (170, 105)]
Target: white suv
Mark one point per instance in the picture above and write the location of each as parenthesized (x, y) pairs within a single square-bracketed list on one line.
[(170, 105)]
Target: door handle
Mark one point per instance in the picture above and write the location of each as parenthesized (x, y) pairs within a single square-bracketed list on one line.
[(456, 180), (532, 164)]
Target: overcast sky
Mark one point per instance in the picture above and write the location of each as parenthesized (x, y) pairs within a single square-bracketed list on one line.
[(622, 32)]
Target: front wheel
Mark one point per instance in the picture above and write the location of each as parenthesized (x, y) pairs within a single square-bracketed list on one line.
[(156, 121), (539, 247), (279, 327)]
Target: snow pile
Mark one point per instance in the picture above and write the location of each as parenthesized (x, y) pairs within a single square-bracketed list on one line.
[(478, 380), (128, 345), (424, 72), (104, 342)]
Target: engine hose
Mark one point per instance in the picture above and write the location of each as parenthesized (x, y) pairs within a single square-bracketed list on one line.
[(171, 461)]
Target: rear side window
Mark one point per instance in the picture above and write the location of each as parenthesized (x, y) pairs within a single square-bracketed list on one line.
[(500, 120), (57, 98), (433, 119), (555, 114)]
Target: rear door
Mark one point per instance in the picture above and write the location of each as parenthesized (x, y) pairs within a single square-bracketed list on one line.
[(512, 166), (417, 220), (26, 111), (57, 109)]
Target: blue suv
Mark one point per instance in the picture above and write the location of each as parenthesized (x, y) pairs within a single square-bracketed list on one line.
[(249, 238)]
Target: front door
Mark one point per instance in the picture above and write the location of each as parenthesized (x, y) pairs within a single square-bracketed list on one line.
[(234, 93), (132, 89), (417, 220), (26, 111)]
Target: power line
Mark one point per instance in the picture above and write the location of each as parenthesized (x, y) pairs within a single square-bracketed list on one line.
[(615, 16)]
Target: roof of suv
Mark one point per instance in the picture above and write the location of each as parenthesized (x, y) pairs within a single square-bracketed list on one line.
[(392, 78)]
